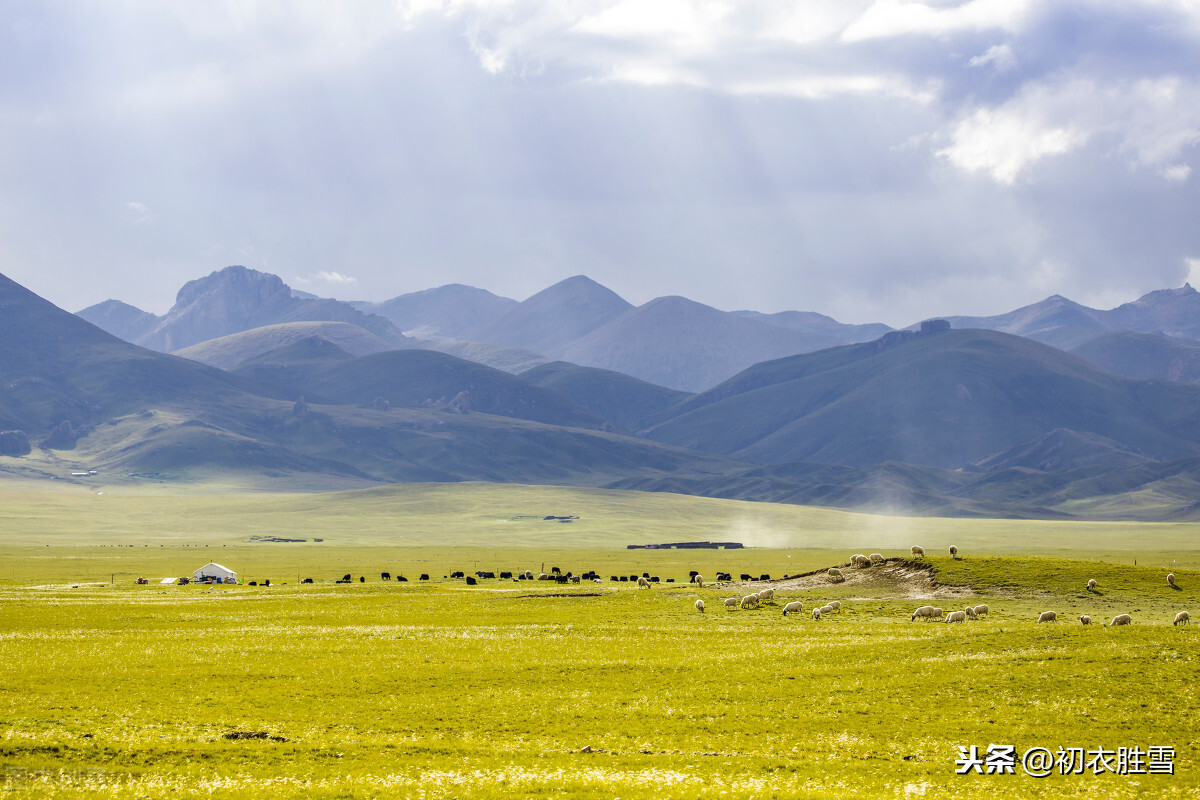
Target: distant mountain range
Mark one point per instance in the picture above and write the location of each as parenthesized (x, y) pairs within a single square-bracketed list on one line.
[(232, 300), (87, 399), (670, 341), (937, 420)]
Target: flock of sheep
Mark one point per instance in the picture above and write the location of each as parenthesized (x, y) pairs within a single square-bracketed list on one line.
[(1182, 618), (924, 612)]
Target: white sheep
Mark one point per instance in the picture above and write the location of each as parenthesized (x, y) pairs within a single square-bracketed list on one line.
[(835, 573), (543, 577), (970, 612), (925, 612), (917, 551), (876, 558), (643, 583), (750, 601), (794, 607), (1170, 579), (1048, 616), (731, 602), (597, 580), (698, 580), (766, 594), (1085, 619), (700, 606), (816, 613), (1182, 618), (953, 551), (956, 616), (1121, 619), (1091, 584), (982, 610), (859, 560), (836, 605)]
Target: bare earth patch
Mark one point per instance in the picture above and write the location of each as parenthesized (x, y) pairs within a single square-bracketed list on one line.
[(889, 579)]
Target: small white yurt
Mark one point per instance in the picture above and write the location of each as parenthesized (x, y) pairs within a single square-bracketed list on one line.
[(215, 572)]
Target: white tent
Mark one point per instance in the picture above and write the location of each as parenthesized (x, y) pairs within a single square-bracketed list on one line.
[(211, 570)]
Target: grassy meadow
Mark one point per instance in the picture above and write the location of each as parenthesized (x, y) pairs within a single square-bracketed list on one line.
[(437, 689)]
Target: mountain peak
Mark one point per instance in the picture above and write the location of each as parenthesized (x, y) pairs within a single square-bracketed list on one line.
[(235, 280), (556, 316)]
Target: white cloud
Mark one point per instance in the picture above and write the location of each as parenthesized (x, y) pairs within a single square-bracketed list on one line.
[(1004, 142), (323, 276), (999, 56), (138, 212), (892, 18), (1176, 173), (1151, 123)]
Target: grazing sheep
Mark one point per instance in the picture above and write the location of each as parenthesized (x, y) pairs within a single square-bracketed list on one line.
[(826, 610), (925, 612), (1091, 584), (876, 558), (953, 551), (643, 582), (795, 607), (970, 612), (731, 602), (816, 613), (981, 610), (700, 606), (836, 605), (1085, 619), (956, 616), (1182, 618), (1170, 579), (1121, 619), (859, 560), (1048, 616), (698, 579), (750, 600), (835, 573), (917, 551), (766, 594)]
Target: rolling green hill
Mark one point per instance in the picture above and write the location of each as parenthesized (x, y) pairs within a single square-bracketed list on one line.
[(1144, 356), (237, 348), (624, 400), (413, 378), (945, 399)]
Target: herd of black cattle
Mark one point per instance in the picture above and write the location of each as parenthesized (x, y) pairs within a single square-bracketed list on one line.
[(555, 575)]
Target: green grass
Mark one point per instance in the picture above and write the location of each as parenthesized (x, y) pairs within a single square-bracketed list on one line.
[(450, 691), (440, 690)]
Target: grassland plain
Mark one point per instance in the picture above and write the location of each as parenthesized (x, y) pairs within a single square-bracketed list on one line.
[(434, 689)]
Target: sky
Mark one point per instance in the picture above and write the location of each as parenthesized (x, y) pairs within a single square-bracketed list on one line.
[(874, 160)]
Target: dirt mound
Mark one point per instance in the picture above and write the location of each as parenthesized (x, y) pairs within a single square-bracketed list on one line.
[(890, 578)]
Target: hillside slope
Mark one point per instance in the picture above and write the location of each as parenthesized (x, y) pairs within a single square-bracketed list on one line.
[(946, 399), (229, 351), (627, 402), (684, 345)]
